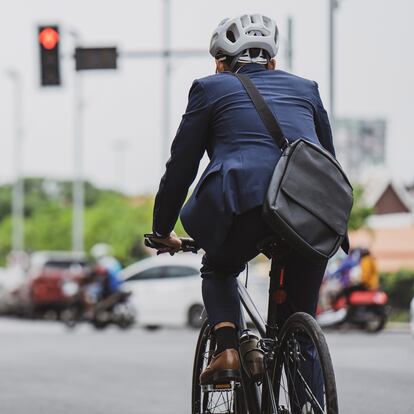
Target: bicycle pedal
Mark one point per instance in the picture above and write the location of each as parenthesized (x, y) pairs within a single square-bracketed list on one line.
[(226, 386)]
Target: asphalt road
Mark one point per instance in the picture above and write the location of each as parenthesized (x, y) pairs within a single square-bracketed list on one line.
[(44, 369)]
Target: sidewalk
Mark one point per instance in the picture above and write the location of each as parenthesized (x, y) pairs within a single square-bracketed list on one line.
[(397, 327)]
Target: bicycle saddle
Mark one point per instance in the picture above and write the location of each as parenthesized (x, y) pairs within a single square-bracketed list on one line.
[(274, 246)]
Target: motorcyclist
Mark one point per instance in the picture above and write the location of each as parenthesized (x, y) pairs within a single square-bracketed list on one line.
[(358, 272), (108, 267), (369, 270)]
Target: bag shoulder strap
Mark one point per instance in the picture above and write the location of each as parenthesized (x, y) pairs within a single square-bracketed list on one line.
[(269, 119)]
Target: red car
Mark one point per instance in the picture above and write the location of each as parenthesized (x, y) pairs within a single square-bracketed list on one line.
[(52, 281)]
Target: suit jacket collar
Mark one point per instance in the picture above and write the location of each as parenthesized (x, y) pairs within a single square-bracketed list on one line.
[(251, 68)]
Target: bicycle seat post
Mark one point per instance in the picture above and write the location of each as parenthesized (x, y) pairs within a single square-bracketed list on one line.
[(277, 251)]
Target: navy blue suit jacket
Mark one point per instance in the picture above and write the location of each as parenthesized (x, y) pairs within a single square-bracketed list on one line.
[(221, 119)]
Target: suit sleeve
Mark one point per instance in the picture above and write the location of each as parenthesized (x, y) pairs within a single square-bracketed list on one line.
[(181, 169), (322, 125)]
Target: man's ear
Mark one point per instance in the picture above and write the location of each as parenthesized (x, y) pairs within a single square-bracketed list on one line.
[(271, 65)]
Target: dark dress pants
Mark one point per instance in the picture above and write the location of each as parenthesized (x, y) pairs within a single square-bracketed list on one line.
[(221, 268)]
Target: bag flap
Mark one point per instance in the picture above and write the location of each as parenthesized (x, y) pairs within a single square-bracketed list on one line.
[(316, 182)]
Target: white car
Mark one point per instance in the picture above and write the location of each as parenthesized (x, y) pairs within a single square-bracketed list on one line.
[(166, 290)]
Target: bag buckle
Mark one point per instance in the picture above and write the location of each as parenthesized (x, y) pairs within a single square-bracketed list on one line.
[(285, 145)]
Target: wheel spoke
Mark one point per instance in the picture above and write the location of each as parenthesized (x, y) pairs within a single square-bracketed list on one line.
[(309, 392), (303, 376), (291, 380)]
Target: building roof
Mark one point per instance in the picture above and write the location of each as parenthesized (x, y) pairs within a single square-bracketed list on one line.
[(387, 196)]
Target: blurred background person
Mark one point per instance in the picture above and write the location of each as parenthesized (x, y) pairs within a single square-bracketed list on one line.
[(108, 267)]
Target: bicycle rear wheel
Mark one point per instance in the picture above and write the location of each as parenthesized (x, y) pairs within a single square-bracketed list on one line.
[(228, 400), (303, 375)]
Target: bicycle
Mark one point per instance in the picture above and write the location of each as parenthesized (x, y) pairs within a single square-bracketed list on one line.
[(296, 375)]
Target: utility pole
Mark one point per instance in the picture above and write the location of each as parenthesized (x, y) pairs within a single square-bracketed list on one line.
[(78, 181), (166, 92), (333, 5), (18, 185), (289, 46), (120, 147)]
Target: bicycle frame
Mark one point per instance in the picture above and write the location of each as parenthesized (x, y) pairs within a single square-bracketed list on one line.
[(251, 309), (266, 330)]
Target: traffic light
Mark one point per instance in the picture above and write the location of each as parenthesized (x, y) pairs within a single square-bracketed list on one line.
[(48, 38)]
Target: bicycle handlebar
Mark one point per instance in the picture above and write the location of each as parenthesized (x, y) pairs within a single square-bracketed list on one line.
[(187, 244)]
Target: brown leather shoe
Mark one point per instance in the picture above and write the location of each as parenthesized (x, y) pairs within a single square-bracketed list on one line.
[(223, 368)]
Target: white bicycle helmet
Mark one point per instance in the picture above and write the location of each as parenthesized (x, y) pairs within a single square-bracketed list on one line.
[(100, 250), (250, 31)]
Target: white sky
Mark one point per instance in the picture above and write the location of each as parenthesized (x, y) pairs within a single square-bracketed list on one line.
[(375, 65)]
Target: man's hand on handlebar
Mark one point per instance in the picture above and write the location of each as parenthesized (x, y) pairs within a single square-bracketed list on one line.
[(171, 244)]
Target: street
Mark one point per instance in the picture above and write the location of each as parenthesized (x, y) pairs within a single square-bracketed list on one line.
[(47, 369)]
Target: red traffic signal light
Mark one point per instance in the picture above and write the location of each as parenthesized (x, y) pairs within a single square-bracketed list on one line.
[(48, 38)]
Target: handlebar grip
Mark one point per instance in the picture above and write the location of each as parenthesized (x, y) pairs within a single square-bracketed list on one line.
[(188, 245), (153, 244)]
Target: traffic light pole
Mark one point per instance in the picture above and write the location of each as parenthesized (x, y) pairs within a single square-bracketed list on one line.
[(78, 184), (78, 192), (18, 186), (120, 147)]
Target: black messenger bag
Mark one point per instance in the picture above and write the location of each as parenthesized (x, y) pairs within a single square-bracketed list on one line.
[(309, 199)]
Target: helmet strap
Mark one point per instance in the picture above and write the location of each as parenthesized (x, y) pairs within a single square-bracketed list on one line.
[(234, 61)]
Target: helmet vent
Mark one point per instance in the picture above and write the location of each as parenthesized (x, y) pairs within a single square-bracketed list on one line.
[(267, 22), (255, 33), (230, 36), (245, 20), (232, 33)]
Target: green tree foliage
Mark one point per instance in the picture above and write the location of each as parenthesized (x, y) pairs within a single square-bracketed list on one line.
[(400, 288), (110, 217), (359, 212), (49, 228), (115, 220), (5, 238), (5, 201)]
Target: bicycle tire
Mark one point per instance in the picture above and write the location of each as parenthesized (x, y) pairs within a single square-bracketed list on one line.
[(207, 402), (295, 353)]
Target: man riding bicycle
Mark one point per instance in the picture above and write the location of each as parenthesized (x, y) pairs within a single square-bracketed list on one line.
[(223, 214)]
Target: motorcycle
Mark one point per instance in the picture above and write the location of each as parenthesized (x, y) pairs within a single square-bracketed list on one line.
[(365, 309), (116, 309)]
